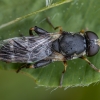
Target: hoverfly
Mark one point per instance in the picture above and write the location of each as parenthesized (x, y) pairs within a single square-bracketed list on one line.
[(48, 47)]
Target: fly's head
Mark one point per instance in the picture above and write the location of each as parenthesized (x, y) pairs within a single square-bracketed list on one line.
[(92, 43)]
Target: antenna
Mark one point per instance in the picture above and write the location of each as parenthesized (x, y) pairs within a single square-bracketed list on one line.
[(98, 41)]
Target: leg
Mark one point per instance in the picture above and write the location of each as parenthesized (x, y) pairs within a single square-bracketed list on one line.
[(65, 66), (58, 27), (38, 30), (59, 57), (36, 65), (82, 31), (23, 66), (41, 63), (30, 31), (98, 70)]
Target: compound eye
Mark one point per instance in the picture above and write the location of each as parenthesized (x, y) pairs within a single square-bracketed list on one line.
[(92, 47)]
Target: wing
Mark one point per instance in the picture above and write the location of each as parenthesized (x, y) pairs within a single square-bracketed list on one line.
[(25, 49)]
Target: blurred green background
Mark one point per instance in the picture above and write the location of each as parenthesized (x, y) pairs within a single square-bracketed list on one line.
[(72, 16), (20, 87)]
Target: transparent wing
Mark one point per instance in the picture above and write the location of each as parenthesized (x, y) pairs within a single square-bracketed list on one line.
[(25, 49)]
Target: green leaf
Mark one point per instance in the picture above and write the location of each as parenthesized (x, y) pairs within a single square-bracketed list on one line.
[(49, 5), (18, 16)]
